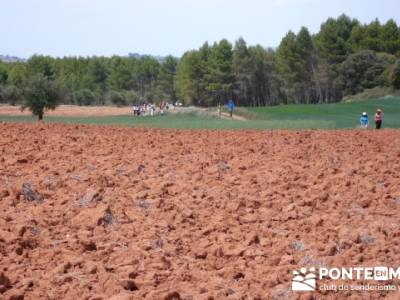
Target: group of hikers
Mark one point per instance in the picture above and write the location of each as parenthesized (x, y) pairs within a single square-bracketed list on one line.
[(364, 121), (150, 109)]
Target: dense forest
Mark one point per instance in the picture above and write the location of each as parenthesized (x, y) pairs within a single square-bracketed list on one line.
[(344, 58)]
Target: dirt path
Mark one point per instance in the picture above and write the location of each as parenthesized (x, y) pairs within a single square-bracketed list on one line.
[(234, 117), (207, 111)]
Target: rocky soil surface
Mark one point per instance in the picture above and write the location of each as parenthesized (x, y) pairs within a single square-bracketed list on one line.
[(102, 212)]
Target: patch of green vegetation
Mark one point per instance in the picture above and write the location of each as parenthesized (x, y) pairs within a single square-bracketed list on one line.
[(343, 115), (179, 121), (374, 93), (320, 116)]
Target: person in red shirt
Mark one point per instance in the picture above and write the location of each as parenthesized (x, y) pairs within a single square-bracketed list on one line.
[(378, 118)]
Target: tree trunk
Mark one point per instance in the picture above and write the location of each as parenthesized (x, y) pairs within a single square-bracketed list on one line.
[(40, 116)]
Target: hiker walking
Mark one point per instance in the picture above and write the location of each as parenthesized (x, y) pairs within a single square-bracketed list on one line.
[(378, 118), (231, 106), (364, 122), (162, 106)]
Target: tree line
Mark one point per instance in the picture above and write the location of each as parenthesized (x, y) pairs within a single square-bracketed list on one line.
[(344, 58)]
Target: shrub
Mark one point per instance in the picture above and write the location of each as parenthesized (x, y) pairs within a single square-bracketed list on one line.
[(395, 75), (84, 97), (40, 94), (131, 97), (116, 98), (10, 94)]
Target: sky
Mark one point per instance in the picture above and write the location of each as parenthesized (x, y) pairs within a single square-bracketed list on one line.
[(162, 27)]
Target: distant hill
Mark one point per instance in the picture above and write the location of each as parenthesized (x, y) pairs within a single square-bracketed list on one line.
[(10, 59)]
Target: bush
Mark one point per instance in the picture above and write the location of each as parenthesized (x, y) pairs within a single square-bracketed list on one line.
[(116, 98), (10, 94), (131, 97), (363, 70), (83, 97), (369, 94)]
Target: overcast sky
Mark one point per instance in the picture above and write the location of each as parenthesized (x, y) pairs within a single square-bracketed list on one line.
[(161, 27)]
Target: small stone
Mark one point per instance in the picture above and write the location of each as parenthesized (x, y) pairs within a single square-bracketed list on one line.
[(91, 196), (5, 283), (201, 255), (129, 285), (187, 213), (91, 268), (4, 193), (30, 193), (62, 268), (19, 250), (89, 246), (229, 292), (173, 296), (17, 296)]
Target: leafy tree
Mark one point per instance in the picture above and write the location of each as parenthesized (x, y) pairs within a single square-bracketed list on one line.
[(356, 39), (41, 65), (83, 97), (362, 70), (191, 78), (116, 98), (390, 36), (72, 73), (10, 94), (147, 72), (333, 39), (97, 75), (310, 84), (121, 76), (166, 88), (333, 46), (395, 75), (131, 97), (3, 73), (289, 66), (298, 65), (18, 74), (376, 37), (372, 37), (40, 94), (243, 70), (220, 76), (265, 83)]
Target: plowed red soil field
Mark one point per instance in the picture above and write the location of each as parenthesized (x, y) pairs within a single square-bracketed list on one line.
[(100, 212), (70, 110)]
